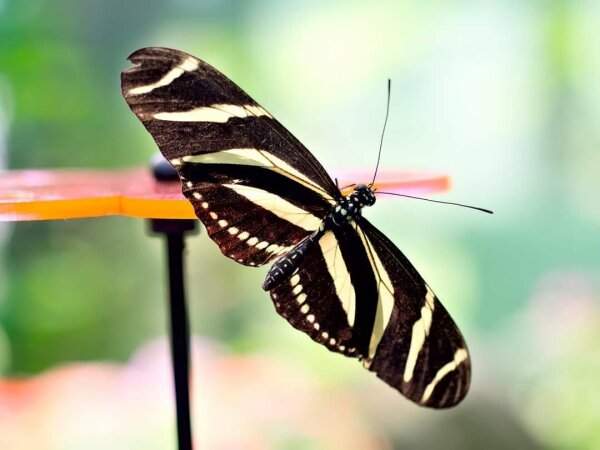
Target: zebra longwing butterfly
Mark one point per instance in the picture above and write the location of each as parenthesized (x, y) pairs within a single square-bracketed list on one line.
[(264, 198)]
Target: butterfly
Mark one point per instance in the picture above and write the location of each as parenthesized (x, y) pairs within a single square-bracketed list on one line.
[(265, 199)]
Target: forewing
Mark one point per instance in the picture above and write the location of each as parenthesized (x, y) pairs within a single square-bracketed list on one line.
[(220, 140), (415, 346)]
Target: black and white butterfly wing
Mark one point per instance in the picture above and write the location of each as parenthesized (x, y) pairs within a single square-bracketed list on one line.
[(357, 294), (331, 295), (256, 188), (416, 346)]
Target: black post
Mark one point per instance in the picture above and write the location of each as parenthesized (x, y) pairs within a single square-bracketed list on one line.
[(174, 231)]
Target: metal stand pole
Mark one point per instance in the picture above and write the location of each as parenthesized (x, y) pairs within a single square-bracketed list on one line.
[(174, 231)]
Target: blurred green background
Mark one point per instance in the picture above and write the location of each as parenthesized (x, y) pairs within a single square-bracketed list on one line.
[(502, 95)]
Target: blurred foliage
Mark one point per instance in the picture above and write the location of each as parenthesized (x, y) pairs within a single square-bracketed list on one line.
[(501, 94)]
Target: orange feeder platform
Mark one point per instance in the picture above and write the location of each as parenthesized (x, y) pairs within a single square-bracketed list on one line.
[(72, 194)]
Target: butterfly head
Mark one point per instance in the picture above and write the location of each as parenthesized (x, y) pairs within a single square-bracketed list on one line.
[(363, 195)]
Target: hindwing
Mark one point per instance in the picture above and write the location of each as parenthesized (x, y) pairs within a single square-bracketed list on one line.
[(357, 294), (330, 296)]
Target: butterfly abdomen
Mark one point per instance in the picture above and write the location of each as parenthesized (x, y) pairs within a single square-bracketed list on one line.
[(287, 264), (345, 211)]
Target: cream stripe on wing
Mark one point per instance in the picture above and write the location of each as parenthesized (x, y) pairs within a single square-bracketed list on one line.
[(339, 273), (420, 332), (188, 65), (278, 206), (243, 156), (385, 293), (219, 113), (254, 157), (460, 356)]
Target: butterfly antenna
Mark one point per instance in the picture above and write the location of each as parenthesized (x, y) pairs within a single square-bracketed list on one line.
[(387, 113), (438, 201)]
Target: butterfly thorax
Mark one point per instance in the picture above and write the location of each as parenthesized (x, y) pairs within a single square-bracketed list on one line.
[(349, 207), (344, 212)]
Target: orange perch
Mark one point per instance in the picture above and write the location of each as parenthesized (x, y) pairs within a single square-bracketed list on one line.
[(73, 194)]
